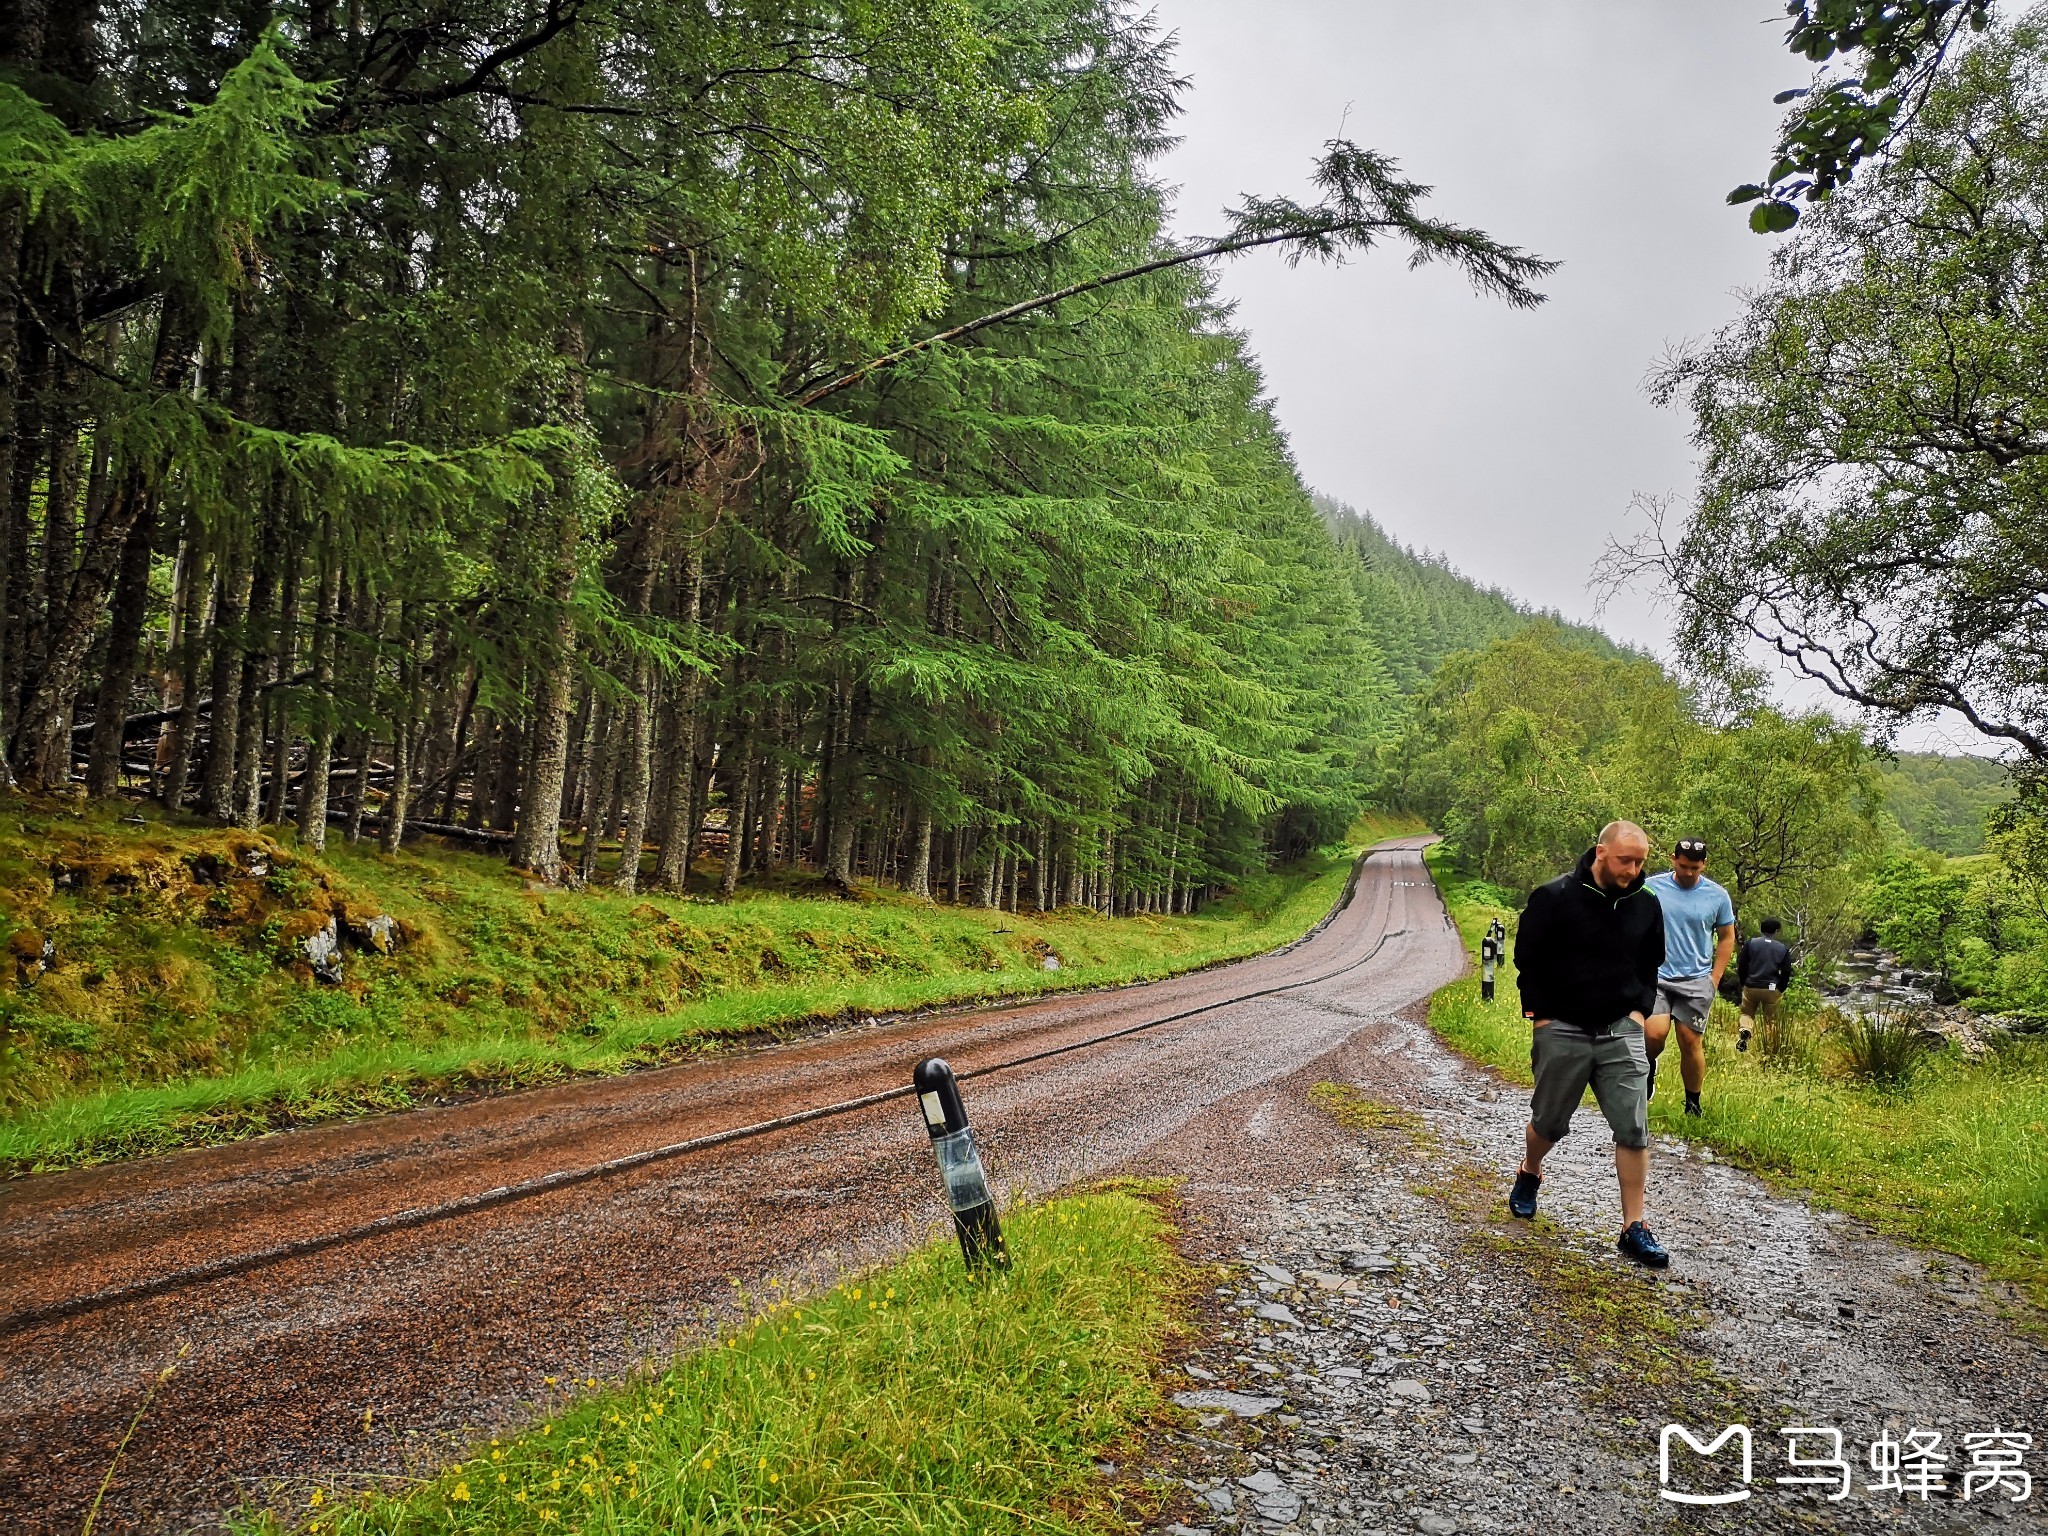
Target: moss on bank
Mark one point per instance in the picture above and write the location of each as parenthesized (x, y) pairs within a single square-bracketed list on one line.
[(179, 1007)]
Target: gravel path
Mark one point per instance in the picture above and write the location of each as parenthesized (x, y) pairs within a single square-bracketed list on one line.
[(1400, 1356)]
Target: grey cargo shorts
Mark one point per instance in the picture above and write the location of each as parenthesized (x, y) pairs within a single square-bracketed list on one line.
[(1566, 1060)]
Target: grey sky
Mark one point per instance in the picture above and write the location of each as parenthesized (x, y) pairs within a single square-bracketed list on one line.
[(1605, 133)]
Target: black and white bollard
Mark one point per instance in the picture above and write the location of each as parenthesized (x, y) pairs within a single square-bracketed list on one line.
[(967, 1191)]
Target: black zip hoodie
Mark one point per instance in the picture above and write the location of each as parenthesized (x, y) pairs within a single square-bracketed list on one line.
[(1587, 956)]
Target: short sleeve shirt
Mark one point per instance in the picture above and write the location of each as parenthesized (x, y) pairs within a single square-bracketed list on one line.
[(1691, 920)]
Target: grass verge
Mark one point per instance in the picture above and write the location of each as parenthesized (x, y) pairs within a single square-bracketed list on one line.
[(179, 1011), (912, 1400), (1957, 1162)]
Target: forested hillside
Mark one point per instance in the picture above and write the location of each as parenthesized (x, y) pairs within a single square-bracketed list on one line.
[(1942, 800), (586, 432), (1419, 609)]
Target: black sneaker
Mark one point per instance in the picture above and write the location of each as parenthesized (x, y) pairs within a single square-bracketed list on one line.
[(1639, 1247), (1692, 1104), (1742, 1041), (1522, 1198), (1652, 1094)]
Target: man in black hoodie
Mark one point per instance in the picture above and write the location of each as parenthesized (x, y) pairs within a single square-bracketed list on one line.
[(1586, 954)]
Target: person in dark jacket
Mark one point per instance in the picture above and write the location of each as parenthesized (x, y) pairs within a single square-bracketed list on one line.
[(1765, 970), (1587, 953)]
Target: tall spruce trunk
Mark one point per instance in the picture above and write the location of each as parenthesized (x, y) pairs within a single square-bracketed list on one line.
[(60, 542), (31, 426), (920, 863), (364, 747), (231, 603), (596, 776), (672, 863), (257, 659), (12, 224), (736, 822), (537, 835), (637, 777), (282, 674), (991, 851), (391, 836), (637, 741), (117, 678), (191, 592), (100, 555), (769, 777), (313, 789)]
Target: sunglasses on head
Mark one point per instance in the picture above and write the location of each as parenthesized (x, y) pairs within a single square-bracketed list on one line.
[(1690, 848)]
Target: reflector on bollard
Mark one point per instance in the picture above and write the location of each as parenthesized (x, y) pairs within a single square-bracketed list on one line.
[(967, 1191)]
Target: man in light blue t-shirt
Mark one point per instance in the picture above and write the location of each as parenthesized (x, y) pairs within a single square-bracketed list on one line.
[(1699, 939)]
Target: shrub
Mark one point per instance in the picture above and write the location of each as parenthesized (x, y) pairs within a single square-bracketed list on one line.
[(1884, 1048)]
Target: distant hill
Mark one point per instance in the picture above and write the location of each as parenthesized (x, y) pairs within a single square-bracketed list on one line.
[(1421, 608), (1941, 801)]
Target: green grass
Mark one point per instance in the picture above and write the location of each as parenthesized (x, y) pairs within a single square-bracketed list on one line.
[(1958, 1161), (1379, 826), (911, 1400), (175, 1017)]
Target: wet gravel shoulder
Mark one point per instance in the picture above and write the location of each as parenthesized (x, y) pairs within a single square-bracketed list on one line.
[(1386, 1351)]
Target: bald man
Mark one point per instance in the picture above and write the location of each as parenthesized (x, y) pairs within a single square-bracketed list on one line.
[(1587, 953)]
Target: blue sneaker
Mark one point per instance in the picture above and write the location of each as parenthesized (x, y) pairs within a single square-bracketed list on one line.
[(1636, 1244), (1522, 1198)]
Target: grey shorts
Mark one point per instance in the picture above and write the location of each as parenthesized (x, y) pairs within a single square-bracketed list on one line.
[(1687, 999), (1567, 1060)]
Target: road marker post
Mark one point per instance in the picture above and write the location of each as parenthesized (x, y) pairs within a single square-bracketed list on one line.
[(967, 1191)]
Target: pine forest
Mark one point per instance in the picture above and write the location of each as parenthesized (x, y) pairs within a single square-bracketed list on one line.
[(523, 425)]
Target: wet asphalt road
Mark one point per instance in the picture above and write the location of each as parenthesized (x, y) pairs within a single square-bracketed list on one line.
[(439, 1331)]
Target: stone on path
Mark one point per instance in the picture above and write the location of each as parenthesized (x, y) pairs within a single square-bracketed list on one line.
[(1243, 1404), (1409, 1389)]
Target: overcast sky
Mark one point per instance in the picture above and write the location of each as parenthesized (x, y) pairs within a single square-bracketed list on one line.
[(1603, 133)]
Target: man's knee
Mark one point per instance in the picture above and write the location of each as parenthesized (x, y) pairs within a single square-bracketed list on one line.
[(1655, 1028)]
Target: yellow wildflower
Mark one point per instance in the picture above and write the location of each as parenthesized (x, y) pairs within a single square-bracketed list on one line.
[(460, 1495)]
